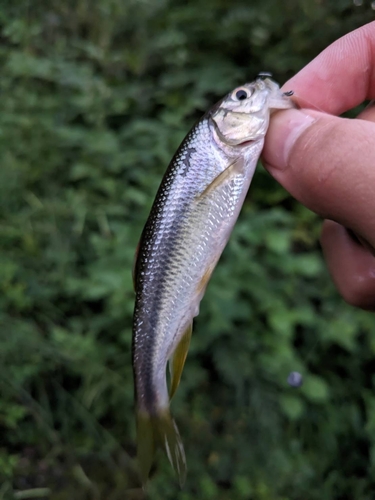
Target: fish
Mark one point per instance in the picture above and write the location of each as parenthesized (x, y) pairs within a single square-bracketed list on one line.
[(192, 217)]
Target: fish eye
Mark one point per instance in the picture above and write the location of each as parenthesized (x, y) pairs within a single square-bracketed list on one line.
[(242, 94)]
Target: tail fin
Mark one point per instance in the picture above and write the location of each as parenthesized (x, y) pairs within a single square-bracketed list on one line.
[(155, 431)]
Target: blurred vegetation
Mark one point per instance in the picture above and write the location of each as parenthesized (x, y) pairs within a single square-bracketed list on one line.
[(95, 98)]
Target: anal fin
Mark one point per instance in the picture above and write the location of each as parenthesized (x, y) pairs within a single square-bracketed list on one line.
[(205, 279), (177, 361)]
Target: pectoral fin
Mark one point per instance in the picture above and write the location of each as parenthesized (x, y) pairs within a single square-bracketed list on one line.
[(176, 363), (226, 175)]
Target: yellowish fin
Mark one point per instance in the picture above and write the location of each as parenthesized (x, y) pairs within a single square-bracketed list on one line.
[(177, 361), (159, 431), (226, 175), (206, 278)]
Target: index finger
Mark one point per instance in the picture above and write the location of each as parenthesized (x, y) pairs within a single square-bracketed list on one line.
[(340, 77)]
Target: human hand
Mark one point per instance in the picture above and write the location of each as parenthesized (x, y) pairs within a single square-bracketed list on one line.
[(328, 163)]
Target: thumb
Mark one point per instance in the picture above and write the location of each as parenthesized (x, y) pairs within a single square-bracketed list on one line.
[(327, 163)]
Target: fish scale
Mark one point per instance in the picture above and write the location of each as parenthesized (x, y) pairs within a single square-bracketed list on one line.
[(193, 214)]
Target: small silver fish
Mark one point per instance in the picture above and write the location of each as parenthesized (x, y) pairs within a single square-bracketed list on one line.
[(194, 212)]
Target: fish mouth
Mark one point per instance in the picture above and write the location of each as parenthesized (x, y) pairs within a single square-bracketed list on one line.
[(245, 143)]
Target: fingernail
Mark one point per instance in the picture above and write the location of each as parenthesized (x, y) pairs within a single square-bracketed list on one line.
[(284, 130)]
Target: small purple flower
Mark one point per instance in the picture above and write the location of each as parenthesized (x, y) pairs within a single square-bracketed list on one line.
[(295, 379)]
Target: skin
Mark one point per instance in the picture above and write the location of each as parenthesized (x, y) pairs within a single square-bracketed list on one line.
[(328, 163)]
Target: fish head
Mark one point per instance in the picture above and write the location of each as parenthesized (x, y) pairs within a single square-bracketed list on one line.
[(243, 115)]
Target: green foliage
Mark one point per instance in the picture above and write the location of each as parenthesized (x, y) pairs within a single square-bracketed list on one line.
[(95, 98)]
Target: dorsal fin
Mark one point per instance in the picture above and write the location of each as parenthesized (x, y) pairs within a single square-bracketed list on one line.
[(135, 266)]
